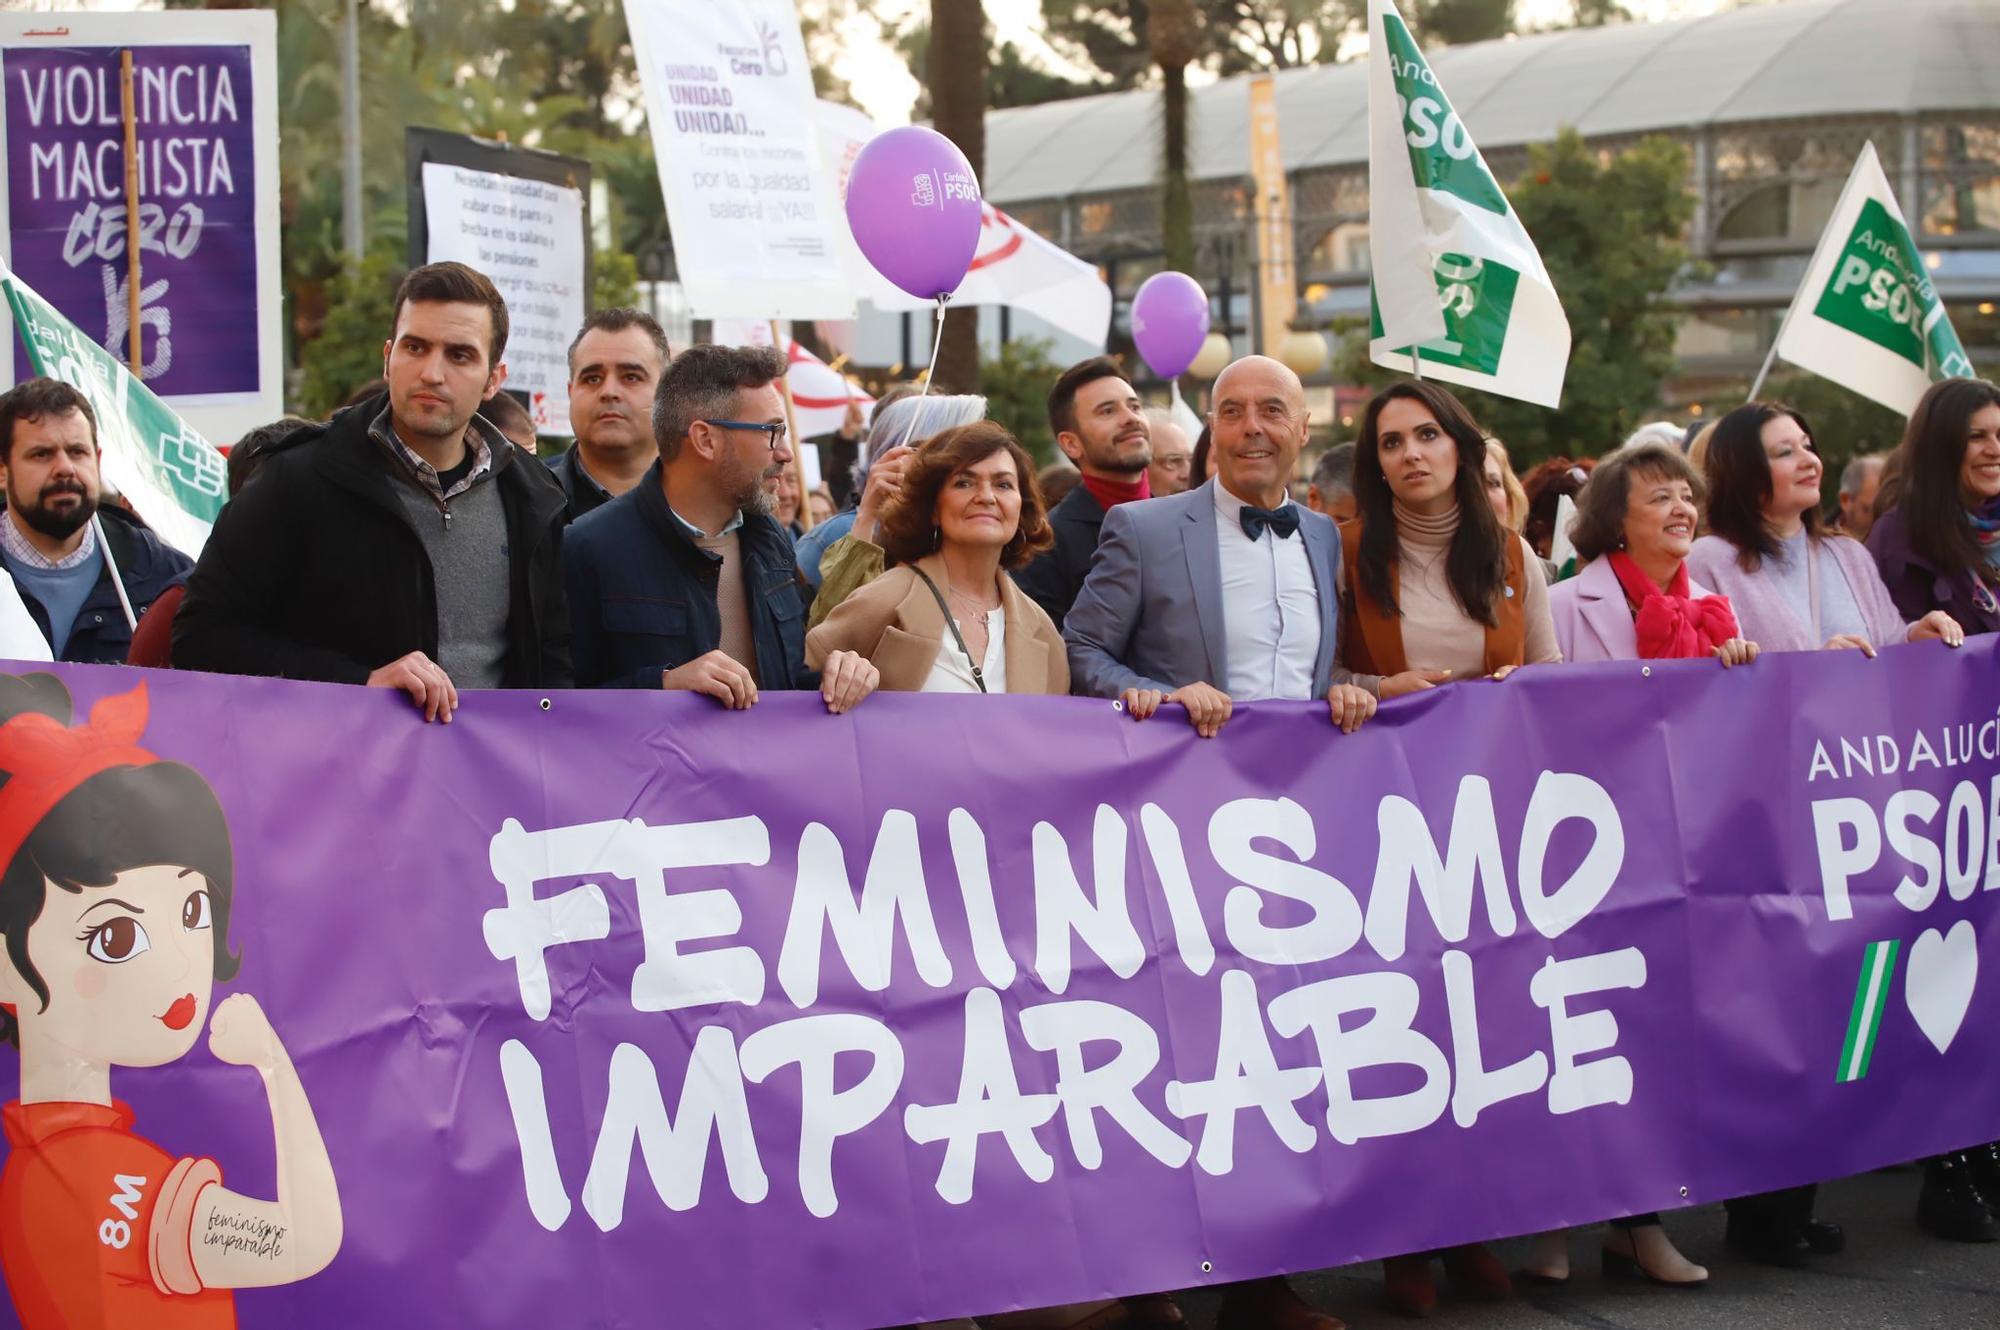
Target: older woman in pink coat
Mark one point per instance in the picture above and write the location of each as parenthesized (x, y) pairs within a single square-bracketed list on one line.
[(1633, 600), (1636, 522)]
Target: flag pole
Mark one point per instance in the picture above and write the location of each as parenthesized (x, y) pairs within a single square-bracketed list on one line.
[(131, 117), (117, 578), (1417, 362), (804, 515), (1770, 358), (134, 352)]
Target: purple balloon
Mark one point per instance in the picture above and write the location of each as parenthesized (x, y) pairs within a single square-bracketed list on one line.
[(1169, 322), (914, 205)]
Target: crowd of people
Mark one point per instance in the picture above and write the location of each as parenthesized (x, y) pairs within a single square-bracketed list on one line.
[(414, 542)]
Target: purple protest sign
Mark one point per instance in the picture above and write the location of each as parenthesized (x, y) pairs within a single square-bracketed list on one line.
[(197, 214), (604, 1003)]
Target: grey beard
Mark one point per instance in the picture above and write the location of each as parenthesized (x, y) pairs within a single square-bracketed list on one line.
[(746, 490)]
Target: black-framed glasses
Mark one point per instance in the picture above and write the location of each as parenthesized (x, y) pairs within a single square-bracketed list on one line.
[(774, 433)]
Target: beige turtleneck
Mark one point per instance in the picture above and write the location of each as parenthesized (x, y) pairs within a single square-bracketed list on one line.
[(1437, 634)]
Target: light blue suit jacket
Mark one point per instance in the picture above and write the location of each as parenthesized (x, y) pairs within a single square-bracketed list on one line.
[(1150, 613)]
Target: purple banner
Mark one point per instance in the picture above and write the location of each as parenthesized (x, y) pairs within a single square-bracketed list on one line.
[(609, 1002), (197, 212)]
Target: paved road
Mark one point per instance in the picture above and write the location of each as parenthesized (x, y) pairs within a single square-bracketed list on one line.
[(1890, 1275)]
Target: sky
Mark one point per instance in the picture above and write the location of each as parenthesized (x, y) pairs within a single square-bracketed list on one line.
[(883, 86)]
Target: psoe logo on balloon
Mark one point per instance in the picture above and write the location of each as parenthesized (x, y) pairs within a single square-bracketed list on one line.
[(923, 191), (960, 185)]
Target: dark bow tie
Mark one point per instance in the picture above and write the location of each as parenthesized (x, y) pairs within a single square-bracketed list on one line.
[(1282, 522)]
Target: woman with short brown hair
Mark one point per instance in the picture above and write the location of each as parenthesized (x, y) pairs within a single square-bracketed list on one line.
[(946, 617), (1633, 599)]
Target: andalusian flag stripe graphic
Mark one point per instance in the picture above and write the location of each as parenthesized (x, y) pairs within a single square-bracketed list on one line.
[(1871, 993)]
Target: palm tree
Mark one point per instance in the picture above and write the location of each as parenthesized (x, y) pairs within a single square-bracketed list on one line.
[(1173, 41), (957, 69)]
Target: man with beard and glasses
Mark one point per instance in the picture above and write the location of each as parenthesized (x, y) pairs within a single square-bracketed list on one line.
[(48, 464), (1101, 426), (405, 544), (686, 581), (614, 365)]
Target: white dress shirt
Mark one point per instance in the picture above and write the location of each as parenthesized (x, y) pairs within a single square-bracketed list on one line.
[(952, 672), (1270, 609)]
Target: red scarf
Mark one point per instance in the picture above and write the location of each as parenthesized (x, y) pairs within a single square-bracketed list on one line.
[(1671, 625), (1110, 493)]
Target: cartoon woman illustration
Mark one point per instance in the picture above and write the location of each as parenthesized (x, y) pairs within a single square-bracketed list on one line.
[(114, 912)]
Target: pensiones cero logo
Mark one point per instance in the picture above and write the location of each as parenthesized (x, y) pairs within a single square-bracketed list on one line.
[(767, 57)]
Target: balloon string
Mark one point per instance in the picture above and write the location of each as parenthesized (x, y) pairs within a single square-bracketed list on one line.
[(937, 340), (1174, 388)]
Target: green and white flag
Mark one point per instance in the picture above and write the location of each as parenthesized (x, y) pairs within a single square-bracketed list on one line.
[(1455, 274), (173, 476), (1867, 315)]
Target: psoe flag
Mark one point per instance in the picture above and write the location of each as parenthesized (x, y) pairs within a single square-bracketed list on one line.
[(1455, 274), (173, 476), (821, 394), (1867, 315)]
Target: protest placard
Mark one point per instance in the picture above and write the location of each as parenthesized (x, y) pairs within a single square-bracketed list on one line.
[(522, 217), (204, 99), (729, 100)]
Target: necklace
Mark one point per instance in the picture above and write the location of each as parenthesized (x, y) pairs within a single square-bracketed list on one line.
[(979, 613)]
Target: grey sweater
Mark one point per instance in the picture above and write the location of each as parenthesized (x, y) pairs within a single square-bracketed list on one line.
[(467, 544)]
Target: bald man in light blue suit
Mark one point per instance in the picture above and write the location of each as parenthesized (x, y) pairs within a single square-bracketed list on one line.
[(1229, 591)]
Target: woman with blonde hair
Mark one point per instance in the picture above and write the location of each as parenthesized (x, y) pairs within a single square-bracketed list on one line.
[(1503, 488)]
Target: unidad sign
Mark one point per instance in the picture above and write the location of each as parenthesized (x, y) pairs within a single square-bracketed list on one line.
[(590, 1001)]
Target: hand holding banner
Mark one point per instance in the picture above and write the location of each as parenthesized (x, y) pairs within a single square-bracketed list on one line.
[(1456, 275), (781, 1018)]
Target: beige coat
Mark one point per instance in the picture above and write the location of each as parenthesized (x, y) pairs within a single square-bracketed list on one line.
[(895, 622)]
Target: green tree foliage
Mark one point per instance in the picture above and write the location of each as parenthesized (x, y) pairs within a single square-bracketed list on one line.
[(1845, 424), (1598, 13), (615, 281), (1013, 77), (1456, 22), (1609, 230), (361, 304), (1016, 383)]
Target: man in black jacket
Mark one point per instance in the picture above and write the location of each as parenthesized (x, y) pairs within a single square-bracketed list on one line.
[(405, 544), (49, 545), (686, 581), (1100, 425)]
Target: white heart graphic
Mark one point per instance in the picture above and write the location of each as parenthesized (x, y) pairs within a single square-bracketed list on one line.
[(1938, 981)]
